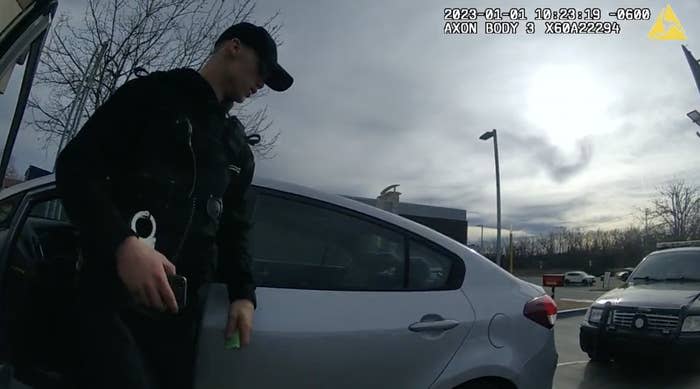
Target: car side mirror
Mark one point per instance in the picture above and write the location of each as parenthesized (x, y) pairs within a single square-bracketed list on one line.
[(624, 277)]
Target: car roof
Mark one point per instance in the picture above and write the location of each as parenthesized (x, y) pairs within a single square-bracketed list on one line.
[(677, 249), (26, 185), (300, 190)]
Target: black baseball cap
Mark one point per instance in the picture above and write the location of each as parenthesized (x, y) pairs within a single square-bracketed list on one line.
[(258, 39)]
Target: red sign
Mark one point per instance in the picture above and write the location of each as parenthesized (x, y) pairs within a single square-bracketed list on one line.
[(552, 279)]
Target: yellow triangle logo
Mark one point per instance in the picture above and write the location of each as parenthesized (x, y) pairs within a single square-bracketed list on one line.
[(667, 27)]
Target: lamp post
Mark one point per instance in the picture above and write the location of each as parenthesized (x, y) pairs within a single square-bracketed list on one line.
[(481, 245), (694, 115), (486, 136), (466, 232), (695, 70), (510, 249)]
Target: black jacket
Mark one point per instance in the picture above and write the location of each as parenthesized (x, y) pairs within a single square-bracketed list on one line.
[(162, 143)]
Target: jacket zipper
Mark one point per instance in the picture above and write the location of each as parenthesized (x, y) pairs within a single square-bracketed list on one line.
[(194, 198)]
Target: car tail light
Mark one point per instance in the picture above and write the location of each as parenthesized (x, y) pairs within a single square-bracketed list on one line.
[(542, 310)]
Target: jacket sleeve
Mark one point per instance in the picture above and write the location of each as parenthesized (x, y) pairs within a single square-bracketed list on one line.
[(83, 168), (232, 239)]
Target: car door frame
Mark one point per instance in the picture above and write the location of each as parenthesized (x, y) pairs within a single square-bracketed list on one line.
[(26, 36), (453, 284), (457, 275), (26, 200)]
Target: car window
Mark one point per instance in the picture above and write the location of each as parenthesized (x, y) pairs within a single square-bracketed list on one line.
[(41, 265), (8, 207), (685, 264), (8, 100), (296, 244), (41, 239), (17, 119), (51, 209), (428, 268)]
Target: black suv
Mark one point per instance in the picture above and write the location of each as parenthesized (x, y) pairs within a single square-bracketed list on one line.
[(657, 311)]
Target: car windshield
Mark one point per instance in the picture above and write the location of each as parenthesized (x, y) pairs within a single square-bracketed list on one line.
[(670, 266)]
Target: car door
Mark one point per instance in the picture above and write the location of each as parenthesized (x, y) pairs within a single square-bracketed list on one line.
[(39, 266), (337, 305), (23, 27), (8, 220)]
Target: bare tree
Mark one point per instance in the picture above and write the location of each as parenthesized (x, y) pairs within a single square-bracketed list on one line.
[(677, 205), (149, 34), (649, 225)]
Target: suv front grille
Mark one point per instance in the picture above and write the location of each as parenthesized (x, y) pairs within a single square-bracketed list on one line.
[(655, 322)]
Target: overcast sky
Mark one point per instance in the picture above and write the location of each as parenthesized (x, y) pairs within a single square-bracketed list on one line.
[(588, 126)]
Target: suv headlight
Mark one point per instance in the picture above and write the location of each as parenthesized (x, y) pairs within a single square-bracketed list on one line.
[(594, 314), (691, 324)]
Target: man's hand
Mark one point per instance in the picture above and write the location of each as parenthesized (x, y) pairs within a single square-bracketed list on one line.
[(240, 317), (145, 271)]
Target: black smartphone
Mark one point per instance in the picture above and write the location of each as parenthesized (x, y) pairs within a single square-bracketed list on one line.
[(178, 284)]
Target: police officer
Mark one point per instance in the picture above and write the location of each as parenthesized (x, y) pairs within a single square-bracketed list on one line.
[(155, 181)]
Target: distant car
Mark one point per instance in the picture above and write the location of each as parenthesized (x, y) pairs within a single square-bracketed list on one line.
[(578, 277), (656, 313), (624, 274), (619, 274)]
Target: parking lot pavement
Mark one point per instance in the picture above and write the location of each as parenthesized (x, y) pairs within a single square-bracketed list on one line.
[(575, 371)]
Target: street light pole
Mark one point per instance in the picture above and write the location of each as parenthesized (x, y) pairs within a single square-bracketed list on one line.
[(510, 249), (466, 233), (498, 200), (485, 136), (481, 246)]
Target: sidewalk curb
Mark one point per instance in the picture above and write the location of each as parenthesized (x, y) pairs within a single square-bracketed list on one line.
[(572, 312)]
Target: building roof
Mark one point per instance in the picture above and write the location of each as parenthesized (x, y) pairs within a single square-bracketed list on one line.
[(422, 210)]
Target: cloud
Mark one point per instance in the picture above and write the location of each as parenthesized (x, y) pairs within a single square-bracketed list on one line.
[(558, 165), (381, 96)]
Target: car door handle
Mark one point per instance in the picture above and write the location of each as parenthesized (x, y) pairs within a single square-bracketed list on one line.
[(438, 325)]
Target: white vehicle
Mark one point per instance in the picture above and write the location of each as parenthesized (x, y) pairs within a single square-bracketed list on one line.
[(578, 277)]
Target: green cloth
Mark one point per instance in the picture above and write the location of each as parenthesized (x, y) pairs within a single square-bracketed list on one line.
[(233, 342)]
